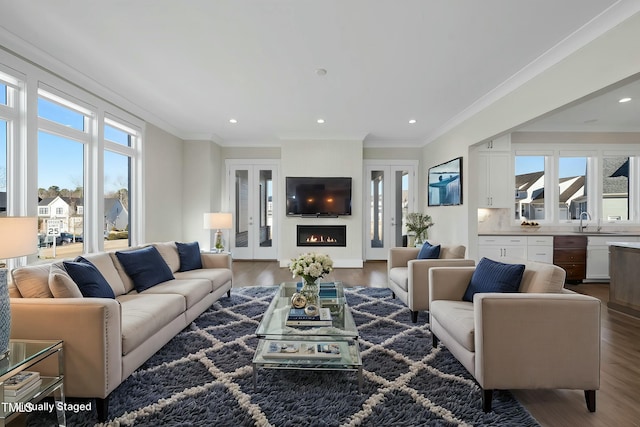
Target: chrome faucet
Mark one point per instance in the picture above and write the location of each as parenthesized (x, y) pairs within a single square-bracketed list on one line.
[(582, 227)]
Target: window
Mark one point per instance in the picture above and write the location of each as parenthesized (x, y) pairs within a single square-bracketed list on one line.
[(9, 115), (559, 184), (3, 94), (81, 141), (529, 194), (61, 161), (3, 168), (111, 133), (615, 188), (572, 187), (50, 110), (120, 142), (116, 199), (60, 182)]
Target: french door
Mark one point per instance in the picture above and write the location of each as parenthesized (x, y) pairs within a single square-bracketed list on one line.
[(390, 193), (253, 199)]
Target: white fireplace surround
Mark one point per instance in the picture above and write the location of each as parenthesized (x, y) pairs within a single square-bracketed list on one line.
[(325, 158)]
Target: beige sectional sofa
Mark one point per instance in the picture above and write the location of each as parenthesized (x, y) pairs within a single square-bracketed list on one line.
[(541, 337), (106, 339)]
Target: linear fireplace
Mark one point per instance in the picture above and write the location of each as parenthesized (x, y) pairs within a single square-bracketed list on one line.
[(322, 235)]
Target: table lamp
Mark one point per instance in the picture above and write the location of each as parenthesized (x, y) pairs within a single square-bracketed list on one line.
[(218, 221), (18, 237)]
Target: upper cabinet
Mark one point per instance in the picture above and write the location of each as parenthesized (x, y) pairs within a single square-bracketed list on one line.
[(494, 177)]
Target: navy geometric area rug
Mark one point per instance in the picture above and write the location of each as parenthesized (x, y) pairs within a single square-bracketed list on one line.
[(203, 377)]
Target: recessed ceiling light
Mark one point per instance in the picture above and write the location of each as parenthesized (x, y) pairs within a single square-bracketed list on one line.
[(320, 121), (234, 121), (624, 100), (412, 121), (321, 72)]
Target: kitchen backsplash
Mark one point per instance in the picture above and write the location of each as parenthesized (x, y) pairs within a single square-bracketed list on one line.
[(493, 220)]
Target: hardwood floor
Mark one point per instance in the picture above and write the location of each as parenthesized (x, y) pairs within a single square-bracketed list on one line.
[(620, 349)]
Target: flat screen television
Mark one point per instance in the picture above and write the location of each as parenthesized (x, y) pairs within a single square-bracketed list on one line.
[(318, 196)]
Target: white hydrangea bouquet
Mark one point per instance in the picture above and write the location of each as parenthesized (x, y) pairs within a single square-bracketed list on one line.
[(311, 266)]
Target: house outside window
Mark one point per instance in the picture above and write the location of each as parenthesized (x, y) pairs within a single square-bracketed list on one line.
[(556, 185), (530, 183)]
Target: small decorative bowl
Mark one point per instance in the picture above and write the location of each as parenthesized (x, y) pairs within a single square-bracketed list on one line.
[(530, 228)]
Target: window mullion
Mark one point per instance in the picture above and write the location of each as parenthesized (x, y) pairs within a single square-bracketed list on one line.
[(63, 131)]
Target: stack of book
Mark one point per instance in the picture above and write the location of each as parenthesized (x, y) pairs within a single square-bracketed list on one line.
[(328, 297), (302, 349), (21, 385), (328, 293), (297, 317)]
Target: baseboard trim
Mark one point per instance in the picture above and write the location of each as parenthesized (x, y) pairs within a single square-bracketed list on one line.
[(337, 263)]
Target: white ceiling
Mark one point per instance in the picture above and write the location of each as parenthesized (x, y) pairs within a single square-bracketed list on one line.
[(189, 66), (600, 112)]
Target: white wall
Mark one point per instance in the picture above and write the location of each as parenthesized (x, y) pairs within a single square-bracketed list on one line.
[(450, 222), (203, 180), (324, 158), (163, 175), (603, 62)]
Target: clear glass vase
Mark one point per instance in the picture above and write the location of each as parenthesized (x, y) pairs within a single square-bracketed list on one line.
[(310, 290)]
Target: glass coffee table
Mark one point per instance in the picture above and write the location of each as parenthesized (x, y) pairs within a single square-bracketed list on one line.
[(324, 348)]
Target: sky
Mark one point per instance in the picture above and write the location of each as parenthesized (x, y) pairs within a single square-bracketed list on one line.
[(60, 160), (569, 166)]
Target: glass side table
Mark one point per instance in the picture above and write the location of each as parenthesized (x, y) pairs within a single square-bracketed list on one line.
[(23, 354)]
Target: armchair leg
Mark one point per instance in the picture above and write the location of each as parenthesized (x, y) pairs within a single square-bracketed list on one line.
[(102, 408), (487, 396), (229, 293), (414, 316), (590, 397), (434, 340), (393, 295)]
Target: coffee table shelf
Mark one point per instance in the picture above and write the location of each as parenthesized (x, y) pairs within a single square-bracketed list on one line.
[(343, 332)]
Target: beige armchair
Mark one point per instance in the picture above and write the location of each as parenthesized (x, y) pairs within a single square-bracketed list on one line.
[(409, 277), (543, 337)]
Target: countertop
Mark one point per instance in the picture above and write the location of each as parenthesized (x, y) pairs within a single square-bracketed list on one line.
[(611, 234), (632, 245)]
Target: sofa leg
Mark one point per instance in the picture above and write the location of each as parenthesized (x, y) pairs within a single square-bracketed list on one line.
[(590, 397), (414, 316), (434, 340), (229, 293), (393, 295), (487, 396), (102, 408)]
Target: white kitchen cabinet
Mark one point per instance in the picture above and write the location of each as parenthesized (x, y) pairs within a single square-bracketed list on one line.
[(494, 174), (540, 248), (502, 143), (497, 247), (598, 255)]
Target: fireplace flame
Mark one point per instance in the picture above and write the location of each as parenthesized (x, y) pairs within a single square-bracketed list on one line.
[(320, 239)]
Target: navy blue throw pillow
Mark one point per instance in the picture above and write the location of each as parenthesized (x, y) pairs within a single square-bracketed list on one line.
[(189, 254), (428, 251), (493, 276), (145, 266), (88, 278)]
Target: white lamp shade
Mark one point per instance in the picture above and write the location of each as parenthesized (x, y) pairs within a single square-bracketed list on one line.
[(18, 236), (218, 221)]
